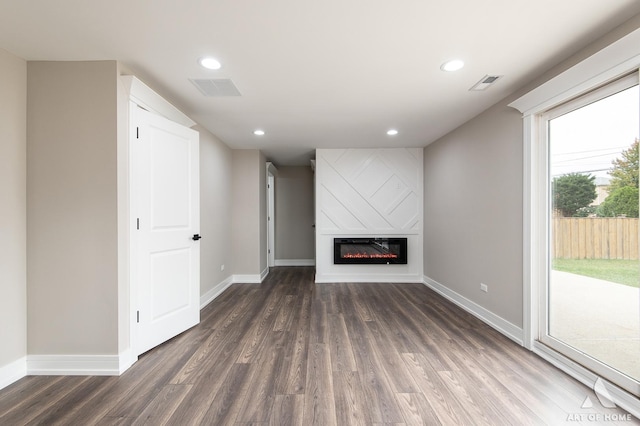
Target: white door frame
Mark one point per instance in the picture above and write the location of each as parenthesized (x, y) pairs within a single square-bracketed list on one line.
[(167, 235), (272, 171), (139, 95)]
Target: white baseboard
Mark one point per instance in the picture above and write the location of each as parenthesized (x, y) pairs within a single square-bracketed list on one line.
[(367, 278), (251, 278), (619, 396), (295, 262), (73, 365), (66, 365), (13, 372), (513, 332), (247, 278), (216, 291)]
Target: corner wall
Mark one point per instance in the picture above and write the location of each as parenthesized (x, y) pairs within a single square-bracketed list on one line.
[(215, 216), (13, 218), (473, 206), (248, 215), (72, 209)]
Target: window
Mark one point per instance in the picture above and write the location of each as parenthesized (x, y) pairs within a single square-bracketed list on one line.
[(590, 301), (618, 59)]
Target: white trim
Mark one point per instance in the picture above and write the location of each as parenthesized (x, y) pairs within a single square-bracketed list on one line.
[(533, 249), (250, 278), (63, 365), (216, 291), (271, 216), (125, 360), (295, 262), (510, 330), (247, 279), (367, 278), (124, 223), (621, 398), (527, 297), (145, 97), (272, 169), (264, 274), (13, 372), (73, 365), (132, 248), (606, 65)]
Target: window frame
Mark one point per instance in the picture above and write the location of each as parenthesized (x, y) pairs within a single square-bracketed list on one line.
[(614, 61), (543, 336)]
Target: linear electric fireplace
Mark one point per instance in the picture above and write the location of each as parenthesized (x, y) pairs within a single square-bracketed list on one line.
[(370, 251)]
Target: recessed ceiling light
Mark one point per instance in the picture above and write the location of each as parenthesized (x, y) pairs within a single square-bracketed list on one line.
[(392, 132), (210, 63), (258, 132), (453, 65)]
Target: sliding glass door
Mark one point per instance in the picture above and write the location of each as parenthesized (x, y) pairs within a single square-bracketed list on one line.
[(591, 303)]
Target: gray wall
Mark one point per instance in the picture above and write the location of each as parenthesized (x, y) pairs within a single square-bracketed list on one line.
[(248, 206), (72, 209), (473, 211), (294, 213), (473, 200), (215, 210), (13, 205)]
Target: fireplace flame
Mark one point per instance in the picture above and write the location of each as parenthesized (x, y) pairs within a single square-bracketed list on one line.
[(370, 256)]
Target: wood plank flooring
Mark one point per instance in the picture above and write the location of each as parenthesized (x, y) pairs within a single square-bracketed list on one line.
[(290, 352)]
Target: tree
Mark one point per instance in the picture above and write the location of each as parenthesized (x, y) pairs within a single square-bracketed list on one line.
[(622, 201), (625, 169), (623, 190), (572, 192)]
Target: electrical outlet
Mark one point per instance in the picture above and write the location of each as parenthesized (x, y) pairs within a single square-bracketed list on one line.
[(222, 267), (484, 287)]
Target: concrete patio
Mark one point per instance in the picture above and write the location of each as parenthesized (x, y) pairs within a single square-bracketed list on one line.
[(597, 317)]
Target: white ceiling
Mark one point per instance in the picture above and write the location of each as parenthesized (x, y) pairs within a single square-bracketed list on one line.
[(318, 74)]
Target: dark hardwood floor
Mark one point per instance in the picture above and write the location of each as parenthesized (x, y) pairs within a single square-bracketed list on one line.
[(288, 351)]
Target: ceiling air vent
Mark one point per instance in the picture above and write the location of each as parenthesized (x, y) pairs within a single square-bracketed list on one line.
[(216, 87), (485, 82)]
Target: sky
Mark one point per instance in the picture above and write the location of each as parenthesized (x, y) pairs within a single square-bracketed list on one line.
[(588, 139)]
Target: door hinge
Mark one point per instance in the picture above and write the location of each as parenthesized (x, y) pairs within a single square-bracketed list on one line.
[(137, 132), (138, 316), (269, 251), (138, 223)]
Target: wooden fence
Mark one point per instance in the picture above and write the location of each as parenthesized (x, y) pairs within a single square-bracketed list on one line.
[(595, 238)]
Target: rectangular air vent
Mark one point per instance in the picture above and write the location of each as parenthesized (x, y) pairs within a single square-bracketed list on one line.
[(216, 87), (485, 82)]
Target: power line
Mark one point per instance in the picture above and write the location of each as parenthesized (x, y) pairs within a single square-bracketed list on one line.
[(581, 171), (617, 149), (585, 158)]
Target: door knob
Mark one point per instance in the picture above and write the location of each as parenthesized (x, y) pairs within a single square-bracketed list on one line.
[(196, 237)]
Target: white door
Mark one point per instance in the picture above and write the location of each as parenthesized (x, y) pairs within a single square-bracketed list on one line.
[(165, 201)]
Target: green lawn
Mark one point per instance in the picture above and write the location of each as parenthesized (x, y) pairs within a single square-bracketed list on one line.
[(625, 272)]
